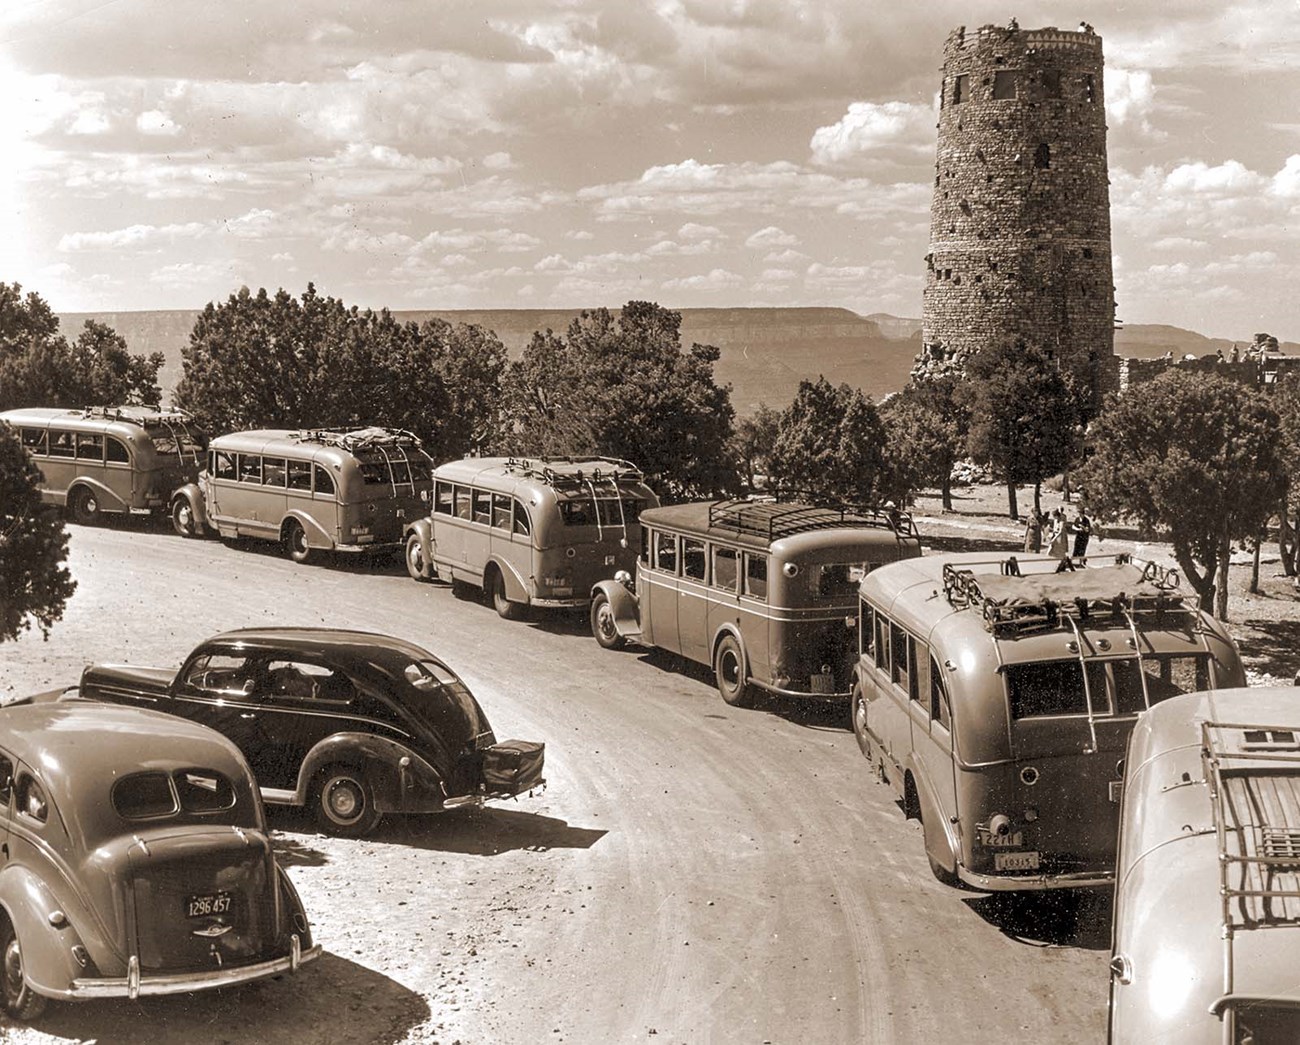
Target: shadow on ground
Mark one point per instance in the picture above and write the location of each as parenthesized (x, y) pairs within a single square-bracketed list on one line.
[(1273, 645), (1055, 918)]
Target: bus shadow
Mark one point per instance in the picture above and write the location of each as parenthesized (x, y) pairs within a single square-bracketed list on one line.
[(1270, 645), (935, 543), (1054, 918)]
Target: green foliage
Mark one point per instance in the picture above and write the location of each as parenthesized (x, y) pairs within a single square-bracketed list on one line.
[(831, 446), (620, 385), (260, 360), (925, 428), (38, 367), (1195, 454), (753, 442), (34, 583)]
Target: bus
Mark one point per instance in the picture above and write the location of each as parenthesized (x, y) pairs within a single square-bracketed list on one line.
[(109, 459), (1206, 923), (537, 531), (996, 697), (764, 593), (312, 490)]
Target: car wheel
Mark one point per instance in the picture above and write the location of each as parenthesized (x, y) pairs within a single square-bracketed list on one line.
[(184, 521), (858, 718), (295, 542), (21, 1002), (729, 667), (502, 604), (344, 804), (602, 623), (415, 564), (83, 506)]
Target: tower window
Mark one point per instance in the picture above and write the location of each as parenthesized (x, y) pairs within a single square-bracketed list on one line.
[(959, 88), (1004, 84), (1043, 156), (1090, 89), (1052, 83), (1087, 252)]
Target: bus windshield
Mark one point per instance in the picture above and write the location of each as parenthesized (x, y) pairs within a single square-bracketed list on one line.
[(1055, 687), (586, 511)]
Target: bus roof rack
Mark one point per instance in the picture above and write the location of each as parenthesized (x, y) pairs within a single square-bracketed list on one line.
[(575, 471), (1012, 600), (137, 414), (772, 520), (353, 439)]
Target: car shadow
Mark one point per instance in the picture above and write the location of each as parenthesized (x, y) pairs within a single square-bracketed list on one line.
[(293, 851), (331, 999), (487, 831), (1053, 918)]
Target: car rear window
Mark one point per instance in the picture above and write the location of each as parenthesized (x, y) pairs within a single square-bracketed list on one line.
[(149, 795)]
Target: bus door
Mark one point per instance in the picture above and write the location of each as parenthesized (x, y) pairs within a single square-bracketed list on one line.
[(510, 544), (221, 474), (693, 599), (932, 732), (59, 467), (297, 483), (275, 500), (452, 534), (661, 585), (892, 717)]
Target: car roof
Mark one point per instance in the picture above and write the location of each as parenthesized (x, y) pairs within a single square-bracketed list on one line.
[(335, 643)]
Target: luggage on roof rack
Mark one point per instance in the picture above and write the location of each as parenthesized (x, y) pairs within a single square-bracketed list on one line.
[(575, 471), (772, 520)]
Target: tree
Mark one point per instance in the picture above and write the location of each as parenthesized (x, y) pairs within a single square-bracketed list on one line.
[(753, 443), (621, 386), (1286, 401), (1196, 454), (831, 446), (925, 428), (34, 583), (39, 368)]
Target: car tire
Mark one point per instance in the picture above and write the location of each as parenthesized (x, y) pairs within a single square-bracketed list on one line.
[(602, 623), (343, 803), (295, 543), (184, 521), (83, 506), (501, 602), (20, 1001), (858, 719), (729, 669), (416, 565)]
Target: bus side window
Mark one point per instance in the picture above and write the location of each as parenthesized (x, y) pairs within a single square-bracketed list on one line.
[(501, 511), (866, 629), (273, 471), (250, 468), (725, 568), (645, 545), (901, 655), (34, 440), (694, 562), (522, 525), (90, 446), (461, 495), (324, 481), (918, 671), (117, 452), (756, 575), (666, 552), (223, 464), (444, 501), (482, 507), (882, 642), (939, 708), (299, 475), (62, 445)]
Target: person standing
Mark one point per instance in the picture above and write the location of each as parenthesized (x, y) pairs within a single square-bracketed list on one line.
[(1034, 532), (1082, 529), (1059, 541)]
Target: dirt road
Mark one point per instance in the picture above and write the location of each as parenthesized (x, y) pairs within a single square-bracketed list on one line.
[(694, 873)]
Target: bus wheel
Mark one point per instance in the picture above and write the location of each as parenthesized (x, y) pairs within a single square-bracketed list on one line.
[(602, 623), (858, 717), (295, 542), (83, 506), (729, 666), (415, 564), (183, 519), (504, 607)]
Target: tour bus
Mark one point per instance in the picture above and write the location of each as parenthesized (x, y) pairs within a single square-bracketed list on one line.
[(117, 459), (765, 593), (534, 531), (314, 490), (996, 698), (1207, 895)]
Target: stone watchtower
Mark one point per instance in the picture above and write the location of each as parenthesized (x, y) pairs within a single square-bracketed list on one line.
[(1020, 222)]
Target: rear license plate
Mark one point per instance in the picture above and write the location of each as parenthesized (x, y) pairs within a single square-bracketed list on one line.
[(203, 905), (1015, 861), (1006, 841), (1116, 786), (822, 684)]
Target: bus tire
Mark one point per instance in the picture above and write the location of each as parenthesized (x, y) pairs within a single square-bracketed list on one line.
[(500, 602), (184, 521), (343, 803), (858, 719), (416, 565), (729, 669), (602, 623), (83, 506), (295, 542)]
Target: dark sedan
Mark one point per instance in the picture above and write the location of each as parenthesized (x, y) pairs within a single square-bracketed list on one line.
[(352, 724)]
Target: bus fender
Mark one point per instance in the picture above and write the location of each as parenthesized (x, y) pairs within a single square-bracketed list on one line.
[(516, 589), (624, 604), (941, 842), (317, 537), (106, 495), (732, 630), (192, 493), (423, 529)]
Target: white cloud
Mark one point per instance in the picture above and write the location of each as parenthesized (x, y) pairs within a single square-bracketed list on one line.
[(252, 225), (578, 234), (693, 233), (1286, 182), (1228, 178), (771, 236), (155, 121), (90, 122), (869, 127), (1130, 95), (715, 279), (498, 161)]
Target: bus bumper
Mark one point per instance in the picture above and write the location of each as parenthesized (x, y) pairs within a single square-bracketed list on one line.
[(560, 604), (1005, 883), (801, 694)]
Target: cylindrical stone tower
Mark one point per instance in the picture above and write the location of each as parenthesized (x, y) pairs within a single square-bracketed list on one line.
[(1020, 222)]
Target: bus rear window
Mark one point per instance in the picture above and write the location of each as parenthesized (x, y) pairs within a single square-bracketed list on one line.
[(174, 439), (1055, 687), (585, 511), (837, 580), (1165, 677)]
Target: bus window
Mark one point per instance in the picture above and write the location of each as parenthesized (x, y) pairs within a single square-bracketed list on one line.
[(866, 629), (694, 562), (1055, 687), (898, 665), (939, 709), (1165, 677), (837, 580), (374, 472), (725, 568), (522, 525), (501, 511), (444, 502), (223, 464), (882, 642), (324, 481), (273, 471), (666, 552), (117, 452), (915, 661), (250, 468), (61, 444), (577, 513), (482, 507), (34, 440), (756, 575), (645, 546), (299, 475), (90, 446), (461, 495)]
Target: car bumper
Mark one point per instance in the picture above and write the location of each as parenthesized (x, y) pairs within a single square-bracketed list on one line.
[(135, 986), (1005, 883)]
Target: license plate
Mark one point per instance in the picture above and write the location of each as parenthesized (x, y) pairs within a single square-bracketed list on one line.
[(204, 905), (822, 684), (1014, 841), (562, 592), (1116, 786), (1015, 861)]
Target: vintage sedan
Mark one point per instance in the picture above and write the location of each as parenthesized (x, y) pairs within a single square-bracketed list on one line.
[(352, 724), (134, 860)]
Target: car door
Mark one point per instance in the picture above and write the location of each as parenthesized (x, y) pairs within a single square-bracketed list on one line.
[(6, 805), (225, 689), (305, 701)]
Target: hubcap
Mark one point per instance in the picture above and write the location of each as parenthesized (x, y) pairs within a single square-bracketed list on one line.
[(416, 558), (344, 800), (183, 516), (730, 668), (605, 621)]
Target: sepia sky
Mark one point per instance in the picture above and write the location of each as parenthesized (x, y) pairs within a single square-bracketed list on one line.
[(562, 153)]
